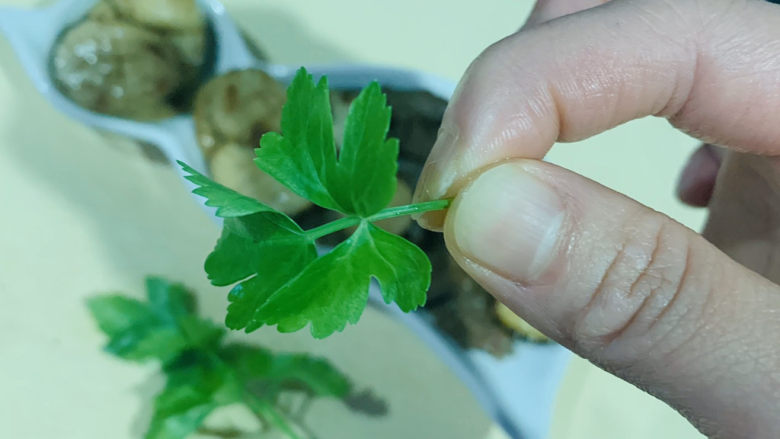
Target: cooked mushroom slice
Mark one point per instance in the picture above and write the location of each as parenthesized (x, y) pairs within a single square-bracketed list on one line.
[(232, 166), (163, 14), (238, 107), (104, 11), (179, 21), (117, 69), (191, 45)]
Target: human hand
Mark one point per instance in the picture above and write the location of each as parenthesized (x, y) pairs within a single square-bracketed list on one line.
[(626, 287)]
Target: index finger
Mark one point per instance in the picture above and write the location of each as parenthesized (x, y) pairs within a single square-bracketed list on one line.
[(710, 67)]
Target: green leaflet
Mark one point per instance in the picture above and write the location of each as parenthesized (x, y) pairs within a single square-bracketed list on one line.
[(361, 180), (333, 290), (190, 395), (160, 329), (402, 269), (315, 375), (257, 366), (254, 245), (253, 293), (304, 157), (228, 202), (169, 300), (256, 240), (367, 162), (116, 314)]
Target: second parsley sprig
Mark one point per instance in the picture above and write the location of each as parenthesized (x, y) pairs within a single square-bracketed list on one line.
[(281, 279)]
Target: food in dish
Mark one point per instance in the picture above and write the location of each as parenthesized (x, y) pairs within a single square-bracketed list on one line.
[(138, 59)]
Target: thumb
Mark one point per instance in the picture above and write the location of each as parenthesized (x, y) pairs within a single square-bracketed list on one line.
[(628, 288), (546, 10)]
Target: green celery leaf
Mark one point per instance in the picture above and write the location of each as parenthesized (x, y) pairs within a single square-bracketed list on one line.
[(228, 202), (279, 262), (281, 281), (257, 245), (149, 343), (329, 293), (200, 333), (161, 329), (231, 204), (250, 363), (234, 258), (244, 299), (333, 290), (253, 244), (402, 269), (170, 300), (116, 314), (303, 156), (254, 238), (136, 332), (367, 162), (191, 393), (258, 366), (315, 375)]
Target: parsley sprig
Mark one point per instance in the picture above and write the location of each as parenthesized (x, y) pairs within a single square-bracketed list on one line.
[(281, 279), (203, 372)]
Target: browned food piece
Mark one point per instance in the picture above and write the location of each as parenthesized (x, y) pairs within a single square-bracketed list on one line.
[(238, 107), (232, 112), (116, 68), (468, 316), (134, 59), (518, 325), (104, 11), (176, 15), (181, 22), (232, 165)]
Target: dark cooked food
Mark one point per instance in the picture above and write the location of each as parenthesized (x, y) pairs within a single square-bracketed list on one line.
[(134, 59), (469, 315), (172, 15), (116, 69)]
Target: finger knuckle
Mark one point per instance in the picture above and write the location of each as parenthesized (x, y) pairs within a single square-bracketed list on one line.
[(639, 287)]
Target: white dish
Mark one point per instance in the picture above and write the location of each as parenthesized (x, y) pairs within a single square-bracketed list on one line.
[(518, 391)]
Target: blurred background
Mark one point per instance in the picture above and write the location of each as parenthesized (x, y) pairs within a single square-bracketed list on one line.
[(86, 212)]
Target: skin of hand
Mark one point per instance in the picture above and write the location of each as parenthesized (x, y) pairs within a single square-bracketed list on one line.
[(694, 321)]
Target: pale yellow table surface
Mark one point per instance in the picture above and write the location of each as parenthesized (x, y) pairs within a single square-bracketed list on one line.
[(82, 213)]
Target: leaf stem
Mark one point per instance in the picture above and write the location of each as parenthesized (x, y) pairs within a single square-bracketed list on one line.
[(409, 209), (390, 212), (333, 227), (267, 412)]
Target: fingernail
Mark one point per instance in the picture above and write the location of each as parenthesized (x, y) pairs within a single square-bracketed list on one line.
[(509, 222), (433, 182)]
